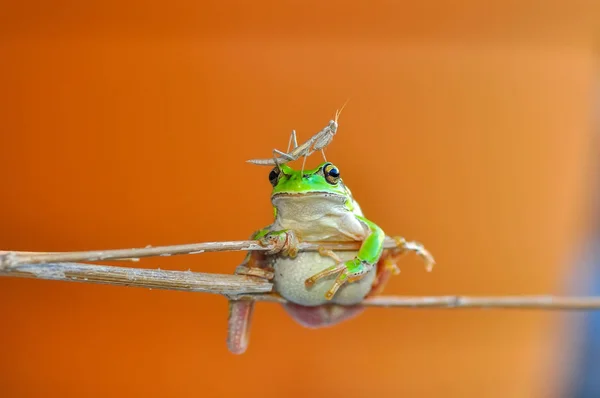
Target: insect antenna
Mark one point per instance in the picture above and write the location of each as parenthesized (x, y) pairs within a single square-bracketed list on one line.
[(339, 111)]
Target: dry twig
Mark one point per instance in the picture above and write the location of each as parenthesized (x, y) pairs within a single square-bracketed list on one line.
[(60, 267), (138, 277), (12, 258), (249, 288)]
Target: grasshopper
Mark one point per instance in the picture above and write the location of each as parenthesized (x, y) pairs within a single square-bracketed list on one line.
[(317, 142)]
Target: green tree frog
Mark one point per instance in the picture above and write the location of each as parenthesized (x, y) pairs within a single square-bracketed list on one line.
[(322, 287)]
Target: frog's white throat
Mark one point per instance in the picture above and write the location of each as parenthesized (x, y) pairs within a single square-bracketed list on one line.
[(317, 216), (308, 206)]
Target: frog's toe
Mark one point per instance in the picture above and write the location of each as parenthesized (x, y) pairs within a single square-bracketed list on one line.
[(329, 253), (283, 242), (339, 282), (333, 270), (404, 246), (346, 273)]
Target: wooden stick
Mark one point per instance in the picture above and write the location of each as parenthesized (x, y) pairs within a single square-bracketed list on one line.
[(13, 258), (249, 288), (137, 277), (544, 302)]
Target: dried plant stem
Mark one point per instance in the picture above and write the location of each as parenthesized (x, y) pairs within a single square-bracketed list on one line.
[(138, 277), (249, 288), (12, 258), (546, 302)]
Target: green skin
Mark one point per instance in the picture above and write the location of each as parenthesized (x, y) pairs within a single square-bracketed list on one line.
[(313, 205), (316, 182)]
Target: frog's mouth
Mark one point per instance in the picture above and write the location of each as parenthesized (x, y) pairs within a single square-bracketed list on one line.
[(312, 199), (310, 194)]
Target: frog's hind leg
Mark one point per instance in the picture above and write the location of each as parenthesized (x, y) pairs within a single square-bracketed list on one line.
[(240, 311), (240, 314), (322, 315), (329, 253), (337, 269), (386, 267), (238, 325)]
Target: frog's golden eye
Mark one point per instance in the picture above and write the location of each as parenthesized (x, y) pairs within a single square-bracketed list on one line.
[(331, 173), (274, 175)]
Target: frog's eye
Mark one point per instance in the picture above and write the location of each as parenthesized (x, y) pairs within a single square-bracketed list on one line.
[(332, 174), (274, 176)]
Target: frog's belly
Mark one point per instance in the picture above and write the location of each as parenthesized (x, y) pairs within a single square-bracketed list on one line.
[(290, 275)]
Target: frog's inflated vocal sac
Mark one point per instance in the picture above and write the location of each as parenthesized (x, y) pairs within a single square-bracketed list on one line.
[(315, 205)]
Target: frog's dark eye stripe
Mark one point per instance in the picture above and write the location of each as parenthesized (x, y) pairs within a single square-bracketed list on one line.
[(331, 173), (274, 175)]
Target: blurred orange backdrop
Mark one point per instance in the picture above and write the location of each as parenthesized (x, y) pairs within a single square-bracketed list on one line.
[(128, 123)]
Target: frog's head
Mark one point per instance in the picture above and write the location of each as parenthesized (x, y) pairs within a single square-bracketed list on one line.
[(323, 181)]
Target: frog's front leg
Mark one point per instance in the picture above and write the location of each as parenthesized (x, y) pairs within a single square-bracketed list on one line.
[(355, 269), (284, 242), (403, 246), (388, 263)]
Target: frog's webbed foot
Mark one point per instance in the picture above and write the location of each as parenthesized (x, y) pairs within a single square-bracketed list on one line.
[(387, 265), (403, 247), (284, 243), (348, 272)]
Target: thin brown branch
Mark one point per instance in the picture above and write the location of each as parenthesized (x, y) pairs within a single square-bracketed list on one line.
[(138, 277), (12, 258), (249, 288), (544, 302)]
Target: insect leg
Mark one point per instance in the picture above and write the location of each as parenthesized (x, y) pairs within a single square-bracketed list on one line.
[(292, 138), (286, 157)]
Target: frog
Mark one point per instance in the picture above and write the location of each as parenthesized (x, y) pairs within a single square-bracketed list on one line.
[(323, 287)]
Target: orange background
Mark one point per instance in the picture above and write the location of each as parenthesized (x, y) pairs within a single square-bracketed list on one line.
[(125, 124)]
